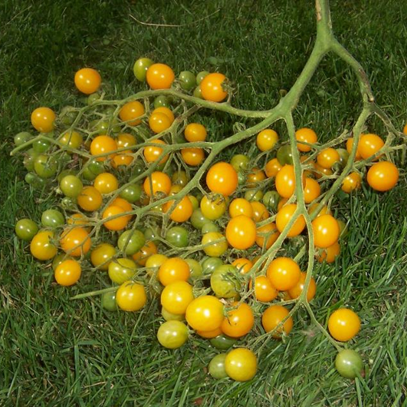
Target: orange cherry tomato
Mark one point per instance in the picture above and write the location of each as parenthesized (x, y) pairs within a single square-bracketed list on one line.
[(284, 215), (328, 157), (160, 76), (205, 313), (212, 89), (87, 80), (159, 181), (260, 211), (210, 334), (254, 177), (312, 190), (326, 231), (320, 171), (264, 290), (168, 112), (324, 210), (284, 273), (383, 176), (75, 242), (222, 179), (267, 235), (68, 273), (125, 140), (90, 199), (106, 183), (172, 270), (349, 145), (193, 156), (243, 265), (103, 145), (343, 324), (159, 122), (142, 256), (78, 219), (240, 206), (305, 135), (369, 144), (176, 297), (43, 119), (281, 203), (272, 319), (351, 182), (125, 205), (131, 113), (285, 181), (182, 211), (272, 168), (239, 321), (330, 253), (123, 159), (241, 232), (266, 140), (152, 153), (195, 132), (118, 223), (296, 291)]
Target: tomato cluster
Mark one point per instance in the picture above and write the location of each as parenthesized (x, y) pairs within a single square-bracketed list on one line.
[(134, 205)]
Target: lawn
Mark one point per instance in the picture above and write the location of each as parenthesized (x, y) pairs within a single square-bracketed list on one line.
[(55, 351)]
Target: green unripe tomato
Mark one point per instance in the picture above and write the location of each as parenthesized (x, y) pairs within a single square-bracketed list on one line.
[(131, 193), (225, 282), (271, 199), (109, 301), (51, 218), (200, 76), (121, 270), (140, 68), (64, 173), (93, 170), (161, 101), (45, 166), (34, 180), (22, 138), (71, 186), (177, 236), (29, 159), (348, 363), (68, 203), (209, 227), (131, 241), (41, 146), (223, 342), (194, 267), (172, 334), (93, 98), (198, 92), (210, 264), (152, 234), (253, 195), (169, 316), (187, 80), (343, 157), (284, 155), (26, 229), (67, 115), (239, 162), (217, 366), (198, 219)]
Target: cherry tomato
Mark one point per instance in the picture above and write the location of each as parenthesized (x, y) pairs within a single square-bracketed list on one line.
[(241, 232), (52, 218), (159, 181), (154, 262), (349, 145), (266, 235), (222, 179), (272, 319), (240, 206), (176, 297), (212, 89), (215, 244), (383, 176), (45, 166), (71, 186), (296, 291), (26, 229), (284, 273), (348, 363), (193, 156), (41, 246), (195, 132), (330, 253), (266, 140), (172, 334), (225, 281), (71, 139), (285, 181), (198, 220), (264, 290), (140, 68), (168, 316), (223, 342), (68, 273), (153, 153), (177, 236), (90, 199), (326, 231), (159, 122), (284, 216), (102, 255), (118, 223), (172, 270), (320, 171), (285, 155), (271, 200), (324, 210), (239, 321), (121, 270), (75, 242), (131, 296), (213, 206), (306, 135), (328, 157), (92, 170), (312, 190), (131, 193), (123, 159), (182, 211), (194, 267), (343, 324), (21, 138), (241, 364), (205, 313), (272, 168), (254, 177), (144, 253), (239, 162), (260, 212), (187, 80), (103, 145), (106, 183), (351, 182), (369, 145), (216, 366), (243, 265), (210, 264), (109, 301), (131, 241), (43, 119), (160, 76), (87, 80)]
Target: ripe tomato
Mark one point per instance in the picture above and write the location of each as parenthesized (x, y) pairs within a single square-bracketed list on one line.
[(41, 246), (125, 140), (149, 249), (26, 229), (182, 211), (153, 153), (212, 89), (103, 145), (240, 206), (326, 231), (213, 206), (159, 181), (266, 140), (68, 273), (176, 297), (154, 262), (118, 223), (215, 244), (296, 291), (306, 135), (254, 177), (241, 364), (222, 179), (43, 119), (272, 168), (123, 159), (205, 313), (172, 334), (87, 80), (165, 110), (106, 183), (102, 255), (241, 232), (90, 199), (131, 296), (285, 181), (239, 321), (195, 132), (131, 113), (330, 253), (75, 242), (272, 319), (266, 235), (369, 145), (159, 122), (351, 182), (71, 139), (264, 290), (243, 265), (349, 145), (312, 190), (348, 363), (193, 156), (383, 176), (343, 324), (260, 212), (328, 157), (324, 210), (121, 270), (320, 171), (172, 270), (160, 76), (283, 273), (78, 219), (284, 215)]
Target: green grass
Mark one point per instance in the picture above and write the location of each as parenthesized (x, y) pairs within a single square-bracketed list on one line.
[(55, 351)]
